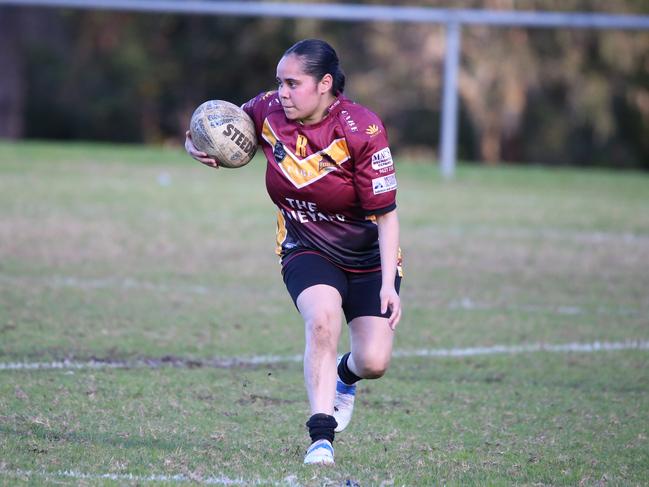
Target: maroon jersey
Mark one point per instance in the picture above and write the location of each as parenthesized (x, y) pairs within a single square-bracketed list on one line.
[(328, 180)]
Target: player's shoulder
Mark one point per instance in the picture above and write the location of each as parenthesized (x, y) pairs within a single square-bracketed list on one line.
[(266, 102), (358, 121)]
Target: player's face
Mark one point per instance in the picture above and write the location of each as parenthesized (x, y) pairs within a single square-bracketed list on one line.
[(303, 97)]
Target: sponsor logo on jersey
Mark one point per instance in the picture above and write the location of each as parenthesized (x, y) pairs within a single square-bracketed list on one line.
[(382, 159), (307, 211), (384, 184), (349, 120), (373, 130), (278, 152), (326, 164)]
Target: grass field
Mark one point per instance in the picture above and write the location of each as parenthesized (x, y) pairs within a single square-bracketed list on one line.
[(130, 255)]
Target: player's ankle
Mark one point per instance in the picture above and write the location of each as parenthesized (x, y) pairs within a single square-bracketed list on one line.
[(321, 427), (345, 373)]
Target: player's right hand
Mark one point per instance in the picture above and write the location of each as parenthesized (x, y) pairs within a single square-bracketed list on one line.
[(390, 301), (200, 156)]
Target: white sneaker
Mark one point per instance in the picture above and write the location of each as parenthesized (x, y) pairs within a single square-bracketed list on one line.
[(320, 452), (343, 403)]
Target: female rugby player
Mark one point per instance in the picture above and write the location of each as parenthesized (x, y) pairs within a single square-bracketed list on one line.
[(331, 175)]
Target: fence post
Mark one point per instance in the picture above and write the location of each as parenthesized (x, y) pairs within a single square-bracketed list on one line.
[(448, 134)]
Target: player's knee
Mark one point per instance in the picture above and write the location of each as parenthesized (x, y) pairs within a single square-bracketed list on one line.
[(320, 328), (372, 367)]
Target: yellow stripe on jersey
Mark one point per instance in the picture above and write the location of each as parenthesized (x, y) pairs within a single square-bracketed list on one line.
[(399, 262), (304, 171), (280, 235)]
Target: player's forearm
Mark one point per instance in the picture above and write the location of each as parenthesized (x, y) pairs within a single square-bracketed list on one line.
[(388, 224)]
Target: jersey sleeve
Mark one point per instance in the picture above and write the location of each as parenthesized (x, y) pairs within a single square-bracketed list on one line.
[(258, 108), (374, 177)]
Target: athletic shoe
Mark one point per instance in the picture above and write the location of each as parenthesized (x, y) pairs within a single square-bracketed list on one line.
[(320, 452), (343, 403)]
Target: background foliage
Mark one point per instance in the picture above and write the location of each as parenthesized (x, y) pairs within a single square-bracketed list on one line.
[(535, 95)]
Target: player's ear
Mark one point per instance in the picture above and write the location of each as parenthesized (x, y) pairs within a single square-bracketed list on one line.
[(326, 83)]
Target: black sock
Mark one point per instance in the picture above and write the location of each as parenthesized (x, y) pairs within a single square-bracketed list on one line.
[(346, 375), (321, 427)]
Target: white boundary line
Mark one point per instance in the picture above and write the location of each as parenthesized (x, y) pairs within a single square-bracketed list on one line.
[(468, 304), (530, 348), (232, 362), (178, 478)]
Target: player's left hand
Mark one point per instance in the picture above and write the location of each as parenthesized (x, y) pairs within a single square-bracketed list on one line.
[(390, 300)]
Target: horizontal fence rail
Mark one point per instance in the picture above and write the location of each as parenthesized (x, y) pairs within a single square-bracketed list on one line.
[(357, 12)]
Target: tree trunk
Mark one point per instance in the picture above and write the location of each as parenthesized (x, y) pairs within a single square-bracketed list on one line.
[(12, 81)]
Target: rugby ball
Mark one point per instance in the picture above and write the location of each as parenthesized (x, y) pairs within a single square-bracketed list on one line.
[(224, 131)]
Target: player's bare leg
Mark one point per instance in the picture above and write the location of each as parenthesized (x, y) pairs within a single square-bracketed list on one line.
[(320, 307), (371, 350), (371, 346)]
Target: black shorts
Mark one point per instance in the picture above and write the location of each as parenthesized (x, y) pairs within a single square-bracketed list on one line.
[(359, 291)]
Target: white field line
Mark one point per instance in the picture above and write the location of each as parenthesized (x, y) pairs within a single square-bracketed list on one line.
[(530, 348), (179, 478), (232, 362), (468, 304), (464, 304)]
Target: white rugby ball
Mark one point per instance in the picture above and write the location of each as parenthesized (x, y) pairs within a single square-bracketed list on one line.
[(224, 131)]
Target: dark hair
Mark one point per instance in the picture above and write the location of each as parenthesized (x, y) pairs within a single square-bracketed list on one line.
[(318, 59)]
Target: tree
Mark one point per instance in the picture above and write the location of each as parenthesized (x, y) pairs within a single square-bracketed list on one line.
[(12, 67)]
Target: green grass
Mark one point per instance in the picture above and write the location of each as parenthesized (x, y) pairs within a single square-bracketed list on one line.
[(124, 252)]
